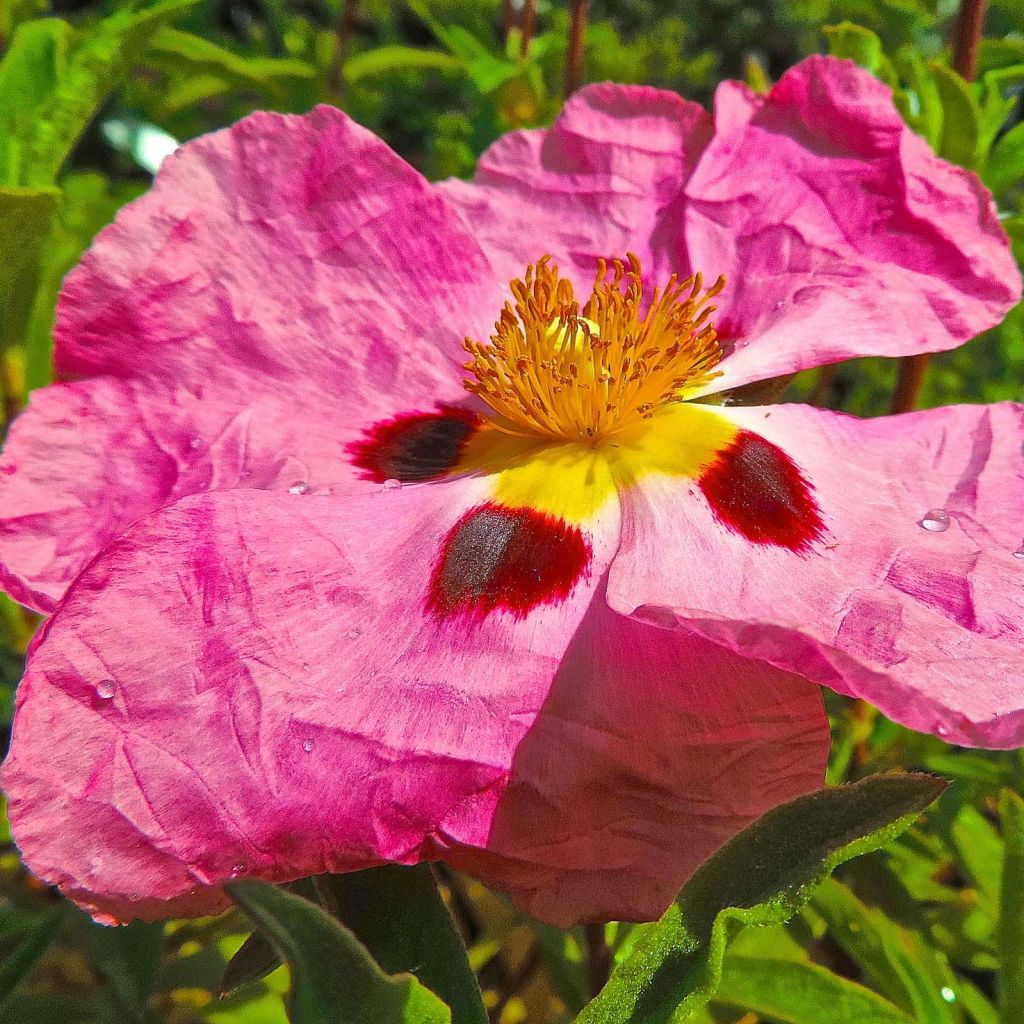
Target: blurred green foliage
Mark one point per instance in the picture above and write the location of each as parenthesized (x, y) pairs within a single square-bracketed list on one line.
[(93, 94)]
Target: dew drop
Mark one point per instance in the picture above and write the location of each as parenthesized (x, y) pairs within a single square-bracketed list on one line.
[(1019, 553), (195, 444), (299, 487), (308, 744), (355, 633), (936, 520), (238, 869), (948, 994), (942, 729), (392, 485), (105, 689)]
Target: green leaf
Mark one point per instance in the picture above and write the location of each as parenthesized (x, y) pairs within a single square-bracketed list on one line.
[(760, 877), (24, 957), (129, 957), (801, 993), (256, 958), (80, 68), (389, 59), (192, 55), (961, 122), (1011, 919), (900, 963), (26, 218), (398, 914), (334, 978), (856, 43), (1005, 165)]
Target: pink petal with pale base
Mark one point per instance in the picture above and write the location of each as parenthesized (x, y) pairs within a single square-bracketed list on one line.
[(285, 283), (604, 180), (289, 705), (924, 624), (839, 232)]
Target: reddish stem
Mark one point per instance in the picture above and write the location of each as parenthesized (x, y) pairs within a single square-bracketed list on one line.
[(599, 958), (343, 31), (969, 25), (527, 29), (580, 11)]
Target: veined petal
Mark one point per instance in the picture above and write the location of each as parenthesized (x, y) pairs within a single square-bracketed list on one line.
[(651, 750), (87, 459), (924, 621), (284, 283), (602, 181), (290, 702), (298, 250), (838, 230)]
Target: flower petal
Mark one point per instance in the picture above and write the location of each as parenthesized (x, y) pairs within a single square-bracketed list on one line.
[(87, 459), (287, 701), (296, 249), (838, 230), (284, 284), (924, 623), (651, 750), (600, 182)]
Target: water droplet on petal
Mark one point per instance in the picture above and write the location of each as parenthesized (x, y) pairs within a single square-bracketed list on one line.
[(308, 744), (392, 485), (195, 444), (238, 869), (942, 729), (299, 487), (936, 520), (948, 994), (105, 689), (1019, 553), (306, 667), (355, 633)]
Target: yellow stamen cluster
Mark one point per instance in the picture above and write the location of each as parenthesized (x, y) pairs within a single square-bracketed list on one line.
[(553, 370)]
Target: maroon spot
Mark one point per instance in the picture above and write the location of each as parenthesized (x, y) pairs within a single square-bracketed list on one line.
[(414, 445), (508, 558), (757, 490)]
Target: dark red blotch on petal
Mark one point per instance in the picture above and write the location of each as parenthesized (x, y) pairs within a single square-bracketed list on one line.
[(414, 446), (506, 558), (756, 489)]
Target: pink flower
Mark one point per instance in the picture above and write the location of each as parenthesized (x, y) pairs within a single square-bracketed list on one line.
[(319, 604)]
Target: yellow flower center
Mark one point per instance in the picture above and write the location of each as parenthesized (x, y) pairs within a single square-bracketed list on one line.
[(553, 370)]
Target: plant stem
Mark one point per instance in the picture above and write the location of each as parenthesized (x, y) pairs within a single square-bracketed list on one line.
[(343, 30), (599, 958), (527, 31), (969, 24), (580, 11)]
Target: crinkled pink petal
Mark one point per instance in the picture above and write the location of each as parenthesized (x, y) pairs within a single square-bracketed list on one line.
[(248, 683), (297, 249), (88, 458), (284, 284), (604, 180), (928, 625), (839, 232), (652, 749)]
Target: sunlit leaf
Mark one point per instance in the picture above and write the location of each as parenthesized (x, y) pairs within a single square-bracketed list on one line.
[(761, 877)]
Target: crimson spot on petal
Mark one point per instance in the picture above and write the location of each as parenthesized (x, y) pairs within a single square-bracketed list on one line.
[(506, 558), (755, 488), (414, 446)]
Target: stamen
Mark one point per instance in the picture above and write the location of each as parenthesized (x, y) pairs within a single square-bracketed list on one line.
[(553, 369)]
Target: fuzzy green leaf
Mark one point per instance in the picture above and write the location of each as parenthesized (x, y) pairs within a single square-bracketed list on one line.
[(334, 978), (1011, 919), (760, 877), (398, 914)]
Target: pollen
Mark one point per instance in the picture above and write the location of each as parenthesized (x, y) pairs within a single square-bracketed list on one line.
[(554, 369)]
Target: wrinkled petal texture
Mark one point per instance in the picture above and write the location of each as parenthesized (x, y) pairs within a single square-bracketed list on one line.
[(926, 625), (289, 705), (284, 283), (839, 232)]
